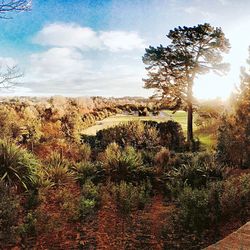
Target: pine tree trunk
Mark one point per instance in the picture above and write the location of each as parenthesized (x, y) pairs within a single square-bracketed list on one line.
[(190, 124), (190, 114)]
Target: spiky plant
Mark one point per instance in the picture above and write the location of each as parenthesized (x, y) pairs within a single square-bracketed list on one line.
[(18, 167), (57, 170)]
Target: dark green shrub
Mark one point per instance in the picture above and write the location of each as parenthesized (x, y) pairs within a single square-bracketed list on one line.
[(91, 140), (90, 199), (28, 228), (170, 134), (9, 209), (194, 209), (87, 170), (206, 163), (200, 212), (32, 199), (129, 197), (235, 195), (133, 133), (196, 171), (148, 156)]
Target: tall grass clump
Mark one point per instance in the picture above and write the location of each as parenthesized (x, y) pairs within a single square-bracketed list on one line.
[(57, 170), (130, 197), (121, 164), (18, 167)]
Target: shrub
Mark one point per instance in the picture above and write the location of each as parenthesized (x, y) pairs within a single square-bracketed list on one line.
[(235, 195), (86, 170), (28, 228), (200, 212), (232, 143), (90, 191), (9, 208), (194, 209), (206, 163), (170, 134), (200, 170), (196, 172), (90, 199), (200, 209), (162, 157), (129, 197), (121, 164), (86, 207), (85, 152), (18, 168), (57, 170), (133, 133), (148, 156), (32, 199), (69, 202)]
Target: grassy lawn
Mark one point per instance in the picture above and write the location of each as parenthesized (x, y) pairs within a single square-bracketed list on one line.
[(117, 119), (179, 116)]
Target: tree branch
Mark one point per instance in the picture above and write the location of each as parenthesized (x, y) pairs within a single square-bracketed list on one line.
[(7, 6)]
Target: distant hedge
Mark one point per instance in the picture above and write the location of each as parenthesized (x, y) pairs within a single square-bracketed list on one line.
[(140, 135)]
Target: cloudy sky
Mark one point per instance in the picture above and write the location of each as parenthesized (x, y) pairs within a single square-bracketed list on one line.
[(94, 47)]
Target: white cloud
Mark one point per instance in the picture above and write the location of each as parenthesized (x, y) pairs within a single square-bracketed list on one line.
[(224, 2), (194, 10), (190, 10), (67, 35), (66, 71), (58, 63), (120, 40), (84, 38)]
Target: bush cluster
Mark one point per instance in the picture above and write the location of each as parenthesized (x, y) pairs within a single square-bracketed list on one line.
[(200, 209), (90, 199), (130, 197)]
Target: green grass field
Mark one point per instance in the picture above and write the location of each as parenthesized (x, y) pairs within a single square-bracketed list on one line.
[(179, 116)]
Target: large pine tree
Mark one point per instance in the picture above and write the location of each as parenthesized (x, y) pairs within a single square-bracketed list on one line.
[(173, 69)]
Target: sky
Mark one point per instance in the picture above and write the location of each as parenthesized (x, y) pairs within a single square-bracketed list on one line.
[(95, 47)]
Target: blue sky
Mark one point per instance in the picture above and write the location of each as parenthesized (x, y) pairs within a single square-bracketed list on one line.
[(94, 47)]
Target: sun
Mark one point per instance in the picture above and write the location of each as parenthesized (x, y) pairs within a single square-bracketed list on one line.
[(212, 86)]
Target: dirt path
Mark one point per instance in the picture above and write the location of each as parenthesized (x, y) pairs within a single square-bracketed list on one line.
[(158, 215), (53, 223), (107, 229), (141, 230), (111, 227)]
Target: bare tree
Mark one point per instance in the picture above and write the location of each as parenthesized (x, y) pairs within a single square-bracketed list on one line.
[(9, 74), (7, 6)]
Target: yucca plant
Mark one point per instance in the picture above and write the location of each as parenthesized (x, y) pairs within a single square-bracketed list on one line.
[(57, 170), (85, 170), (18, 167), (121, 164)]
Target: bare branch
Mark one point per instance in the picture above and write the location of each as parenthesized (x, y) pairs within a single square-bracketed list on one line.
[(9, 76), (7, 6)]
